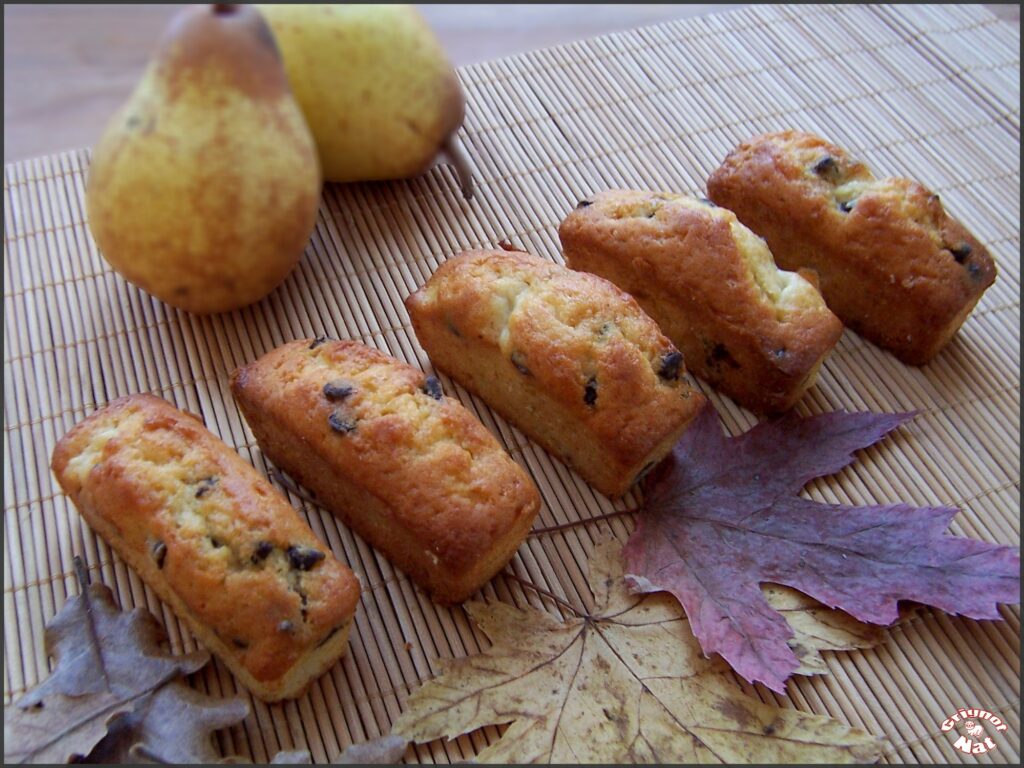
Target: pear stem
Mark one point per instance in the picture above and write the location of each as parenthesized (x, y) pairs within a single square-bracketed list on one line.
[(224, 9), (458, 159)]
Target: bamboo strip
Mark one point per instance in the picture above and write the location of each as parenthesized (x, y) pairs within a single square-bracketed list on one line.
[(923, 91)]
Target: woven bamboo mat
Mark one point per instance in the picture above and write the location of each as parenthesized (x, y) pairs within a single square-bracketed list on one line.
[(932, 93)]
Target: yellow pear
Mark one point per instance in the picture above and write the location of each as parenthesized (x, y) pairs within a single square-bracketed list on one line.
[(375, 85), (205, 185)]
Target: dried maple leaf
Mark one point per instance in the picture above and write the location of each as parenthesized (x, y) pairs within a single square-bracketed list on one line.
[(106, 662), (626, 684), (722, 516)]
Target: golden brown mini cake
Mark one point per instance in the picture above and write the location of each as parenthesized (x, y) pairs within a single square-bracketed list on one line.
[(213, 539), (892, 264), (755, 332), (567, 357), (410, 470)]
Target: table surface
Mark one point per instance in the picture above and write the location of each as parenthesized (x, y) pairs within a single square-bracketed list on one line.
[(928, 92), (67, 68)]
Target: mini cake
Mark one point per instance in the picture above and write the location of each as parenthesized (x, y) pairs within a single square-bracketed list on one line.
[(892, 264), (567, 357), (213, 539), (755, 332), (409, 469)]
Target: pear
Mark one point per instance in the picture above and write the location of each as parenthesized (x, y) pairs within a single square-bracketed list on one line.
[(376, 87), (205, 185)]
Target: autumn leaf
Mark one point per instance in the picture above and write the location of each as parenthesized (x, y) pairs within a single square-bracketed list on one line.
[(722, 517), (386, 750), (627, 684), (174, 724), (106, 662), (65, 730), (115, 696), (817, 628)]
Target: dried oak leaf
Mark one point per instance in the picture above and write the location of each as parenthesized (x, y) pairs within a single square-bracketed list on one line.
[(386, 750), (627, 684), (722, 516), (174, 724), (109, 666), (64, 730)]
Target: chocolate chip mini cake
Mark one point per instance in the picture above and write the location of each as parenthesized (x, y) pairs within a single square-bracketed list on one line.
[(213, 539), (755, 332), (892, 264), (566, 356), (409, 469)]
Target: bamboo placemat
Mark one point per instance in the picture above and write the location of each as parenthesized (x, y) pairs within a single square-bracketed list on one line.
[(928, 92)]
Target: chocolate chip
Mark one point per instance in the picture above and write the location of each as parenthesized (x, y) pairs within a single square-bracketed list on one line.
[(520, 363), (454, 331), (780, 353), (285, 626), (584, 204), (337, 390), (341, 423), (974, 270), (239, 643), (720, 354), (215, 542), (205, 486), (432, 387), (670, 364), (318, 341), (827, 168), (961, 252), (159, 552), (304, 558), (262, 551), (590, 391), (847, 205)]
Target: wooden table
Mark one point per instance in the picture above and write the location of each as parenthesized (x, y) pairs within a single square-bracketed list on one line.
[(68, 67)]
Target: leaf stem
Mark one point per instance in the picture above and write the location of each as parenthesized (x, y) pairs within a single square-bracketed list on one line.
[(90, 622), (550, 595), (566, 526)]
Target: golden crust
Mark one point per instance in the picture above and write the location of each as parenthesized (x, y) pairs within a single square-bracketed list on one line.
[(568, 357), (213, 538), (753, 331), (414, 473), (892, 264)]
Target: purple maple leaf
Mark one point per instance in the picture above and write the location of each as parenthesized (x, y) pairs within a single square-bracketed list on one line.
[(722, 516)]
